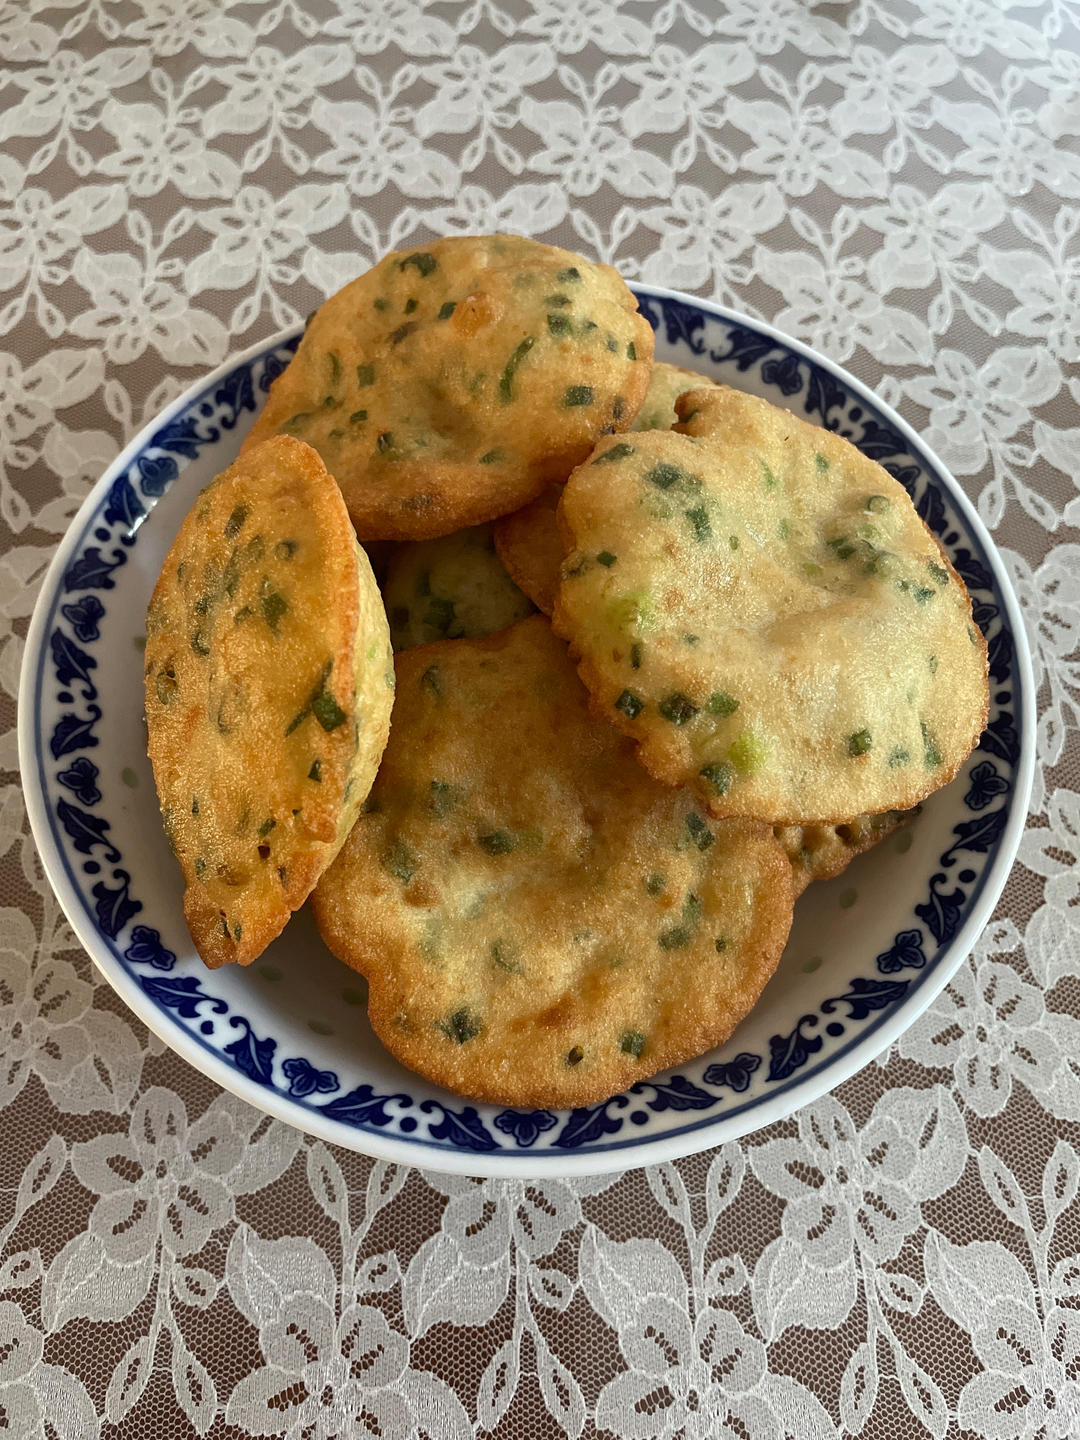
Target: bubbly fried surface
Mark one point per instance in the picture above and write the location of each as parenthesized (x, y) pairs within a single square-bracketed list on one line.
[(449, 384), (540, 922), (531, 548), (821, 852), (448, 589), (269, 682), (761, 608), (666, 384)]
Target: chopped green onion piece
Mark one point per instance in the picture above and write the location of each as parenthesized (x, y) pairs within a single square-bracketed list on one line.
[(422, 261), (559, 325), (699, 520), (859, 742), (630, 704), (496, 842), (235, 522), (718, 776), (506, 381), (616, 452), (721, 703), (699, 832), (327, 711), (447, 310), (577, 395), (677, 708), (606, 558), (365, 376), (315, 773), (632, 1043)]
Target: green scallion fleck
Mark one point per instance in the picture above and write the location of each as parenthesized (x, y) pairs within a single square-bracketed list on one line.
[(410, 305), (631, 350), (655, 884), (569, 275), (718, 776), (461, 1026), (821, 463), (899, 758), (559, 325), (274, 605), (266, 827), (699, 832), (490, 457), (663, 476), (385, 442), (447, 310), (606, 558), (721, 703), (635, 656), (617, 452), (403, 331), (365, 376), (931, 753), (496, 842), (506, 381), (699, 520), (327, 711), (677, 707), (676, 937), (859, 742), (400, 861), (235, 522), (315, 773), (878, 503), (335, 367), (422, 261), (922, 593), (286, 549), (630, 704), (632, 1043), (577, 395)]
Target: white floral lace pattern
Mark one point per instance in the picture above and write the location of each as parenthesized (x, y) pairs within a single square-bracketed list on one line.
[(896, 182)]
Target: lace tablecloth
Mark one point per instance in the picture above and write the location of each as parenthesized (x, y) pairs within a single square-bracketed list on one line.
[(896, 182)]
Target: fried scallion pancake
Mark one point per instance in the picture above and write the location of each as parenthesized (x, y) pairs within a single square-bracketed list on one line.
[(539, 921), (761, 608), (269, 682), (450, 384), (452, 588)]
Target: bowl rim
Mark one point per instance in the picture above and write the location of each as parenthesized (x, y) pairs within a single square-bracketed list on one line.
[(601, 1157)]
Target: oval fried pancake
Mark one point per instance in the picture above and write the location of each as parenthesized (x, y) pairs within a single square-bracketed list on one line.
[(449, 384), (528, 541), (540, 922), (269, 682), (821, 852), (448, 589), (761, 608), (666, 384), (531, 549)]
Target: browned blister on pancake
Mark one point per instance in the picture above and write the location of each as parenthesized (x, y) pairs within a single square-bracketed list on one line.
[(762, 609), (269, 682), (540, 922), (450, 384)]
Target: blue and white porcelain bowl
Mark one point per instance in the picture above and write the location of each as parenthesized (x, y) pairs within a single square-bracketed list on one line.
[(868, 951)]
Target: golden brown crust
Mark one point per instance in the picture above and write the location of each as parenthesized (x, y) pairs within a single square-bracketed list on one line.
[(762, 609), (530, 546), (539, 922), (267, 694), (450, 384)]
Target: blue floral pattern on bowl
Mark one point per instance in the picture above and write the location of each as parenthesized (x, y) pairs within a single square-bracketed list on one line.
[(713, 1097)]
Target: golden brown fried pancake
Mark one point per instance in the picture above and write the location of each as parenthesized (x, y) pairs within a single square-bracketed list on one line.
[(761, 608), (269, 682), (449, 589), (451, 383), (540, 922)]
